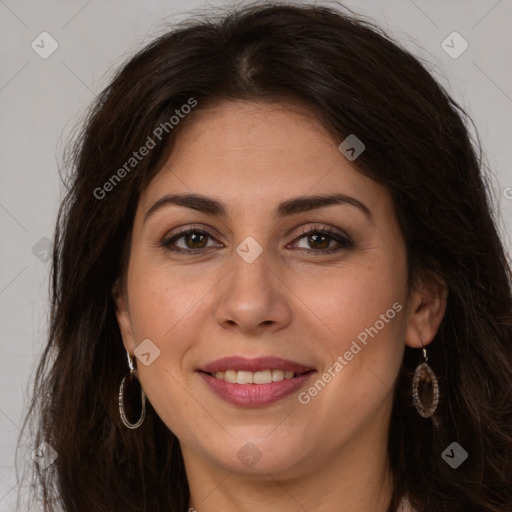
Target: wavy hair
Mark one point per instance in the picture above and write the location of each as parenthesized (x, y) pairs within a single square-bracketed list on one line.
[(418, 143)]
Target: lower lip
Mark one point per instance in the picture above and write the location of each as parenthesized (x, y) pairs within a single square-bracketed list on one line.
[(254, 395)]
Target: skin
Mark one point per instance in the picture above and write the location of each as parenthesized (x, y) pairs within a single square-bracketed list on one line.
[(292, 302)]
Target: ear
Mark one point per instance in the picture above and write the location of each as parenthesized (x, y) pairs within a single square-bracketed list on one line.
[(426, 309), (120, 298)]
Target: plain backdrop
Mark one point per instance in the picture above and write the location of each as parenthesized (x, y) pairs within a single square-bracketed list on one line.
[(43, 99)]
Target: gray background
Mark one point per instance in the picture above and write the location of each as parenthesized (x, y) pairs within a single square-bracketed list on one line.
[(41, 100)]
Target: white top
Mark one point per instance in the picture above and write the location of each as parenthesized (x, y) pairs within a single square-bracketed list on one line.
[(405, 506)]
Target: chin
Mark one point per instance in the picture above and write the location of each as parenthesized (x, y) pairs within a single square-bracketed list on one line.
[(258, 456)]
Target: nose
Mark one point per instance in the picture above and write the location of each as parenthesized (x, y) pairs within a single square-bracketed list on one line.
[(253, 297)]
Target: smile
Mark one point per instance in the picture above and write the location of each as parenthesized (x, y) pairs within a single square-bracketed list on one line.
[(256, 382), (261, 377)]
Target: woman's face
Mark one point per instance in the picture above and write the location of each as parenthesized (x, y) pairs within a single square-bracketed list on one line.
[(332, 308)]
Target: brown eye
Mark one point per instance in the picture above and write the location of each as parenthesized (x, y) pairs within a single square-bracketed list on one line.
[(191, 241), (195, 240), (320, 240)]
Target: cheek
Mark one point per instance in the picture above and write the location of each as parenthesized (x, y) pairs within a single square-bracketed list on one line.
[(363, 306), (354, 297), (160, 307), (362, 357), (161, 299)]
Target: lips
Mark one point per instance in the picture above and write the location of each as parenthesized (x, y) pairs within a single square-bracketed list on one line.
[(248, 384)]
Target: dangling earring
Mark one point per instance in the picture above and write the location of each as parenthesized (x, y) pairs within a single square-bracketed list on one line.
[(426, 378), (132, 378)]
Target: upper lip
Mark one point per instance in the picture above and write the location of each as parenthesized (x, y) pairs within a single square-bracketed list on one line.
[(254, 364)]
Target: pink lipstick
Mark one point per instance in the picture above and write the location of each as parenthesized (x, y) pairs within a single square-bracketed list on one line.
[(254, 382)]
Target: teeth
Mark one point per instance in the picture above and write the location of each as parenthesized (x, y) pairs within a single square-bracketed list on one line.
[(229, 376), (261, 377), (277, 375), (244, 377)]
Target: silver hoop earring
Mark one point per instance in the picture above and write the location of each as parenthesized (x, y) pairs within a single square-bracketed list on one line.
[(425, 385), (131, 380)]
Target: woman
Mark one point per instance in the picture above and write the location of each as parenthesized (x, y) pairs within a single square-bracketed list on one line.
[(277, 283)]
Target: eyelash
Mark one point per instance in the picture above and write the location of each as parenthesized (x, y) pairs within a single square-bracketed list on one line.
[(344, 241)]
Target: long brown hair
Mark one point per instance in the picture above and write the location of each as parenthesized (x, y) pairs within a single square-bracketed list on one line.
[(418, 144)]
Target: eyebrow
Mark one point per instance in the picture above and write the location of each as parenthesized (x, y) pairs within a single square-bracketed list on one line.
[(284, 209)]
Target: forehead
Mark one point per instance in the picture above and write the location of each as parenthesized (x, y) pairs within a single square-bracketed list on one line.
[(251, 153)]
